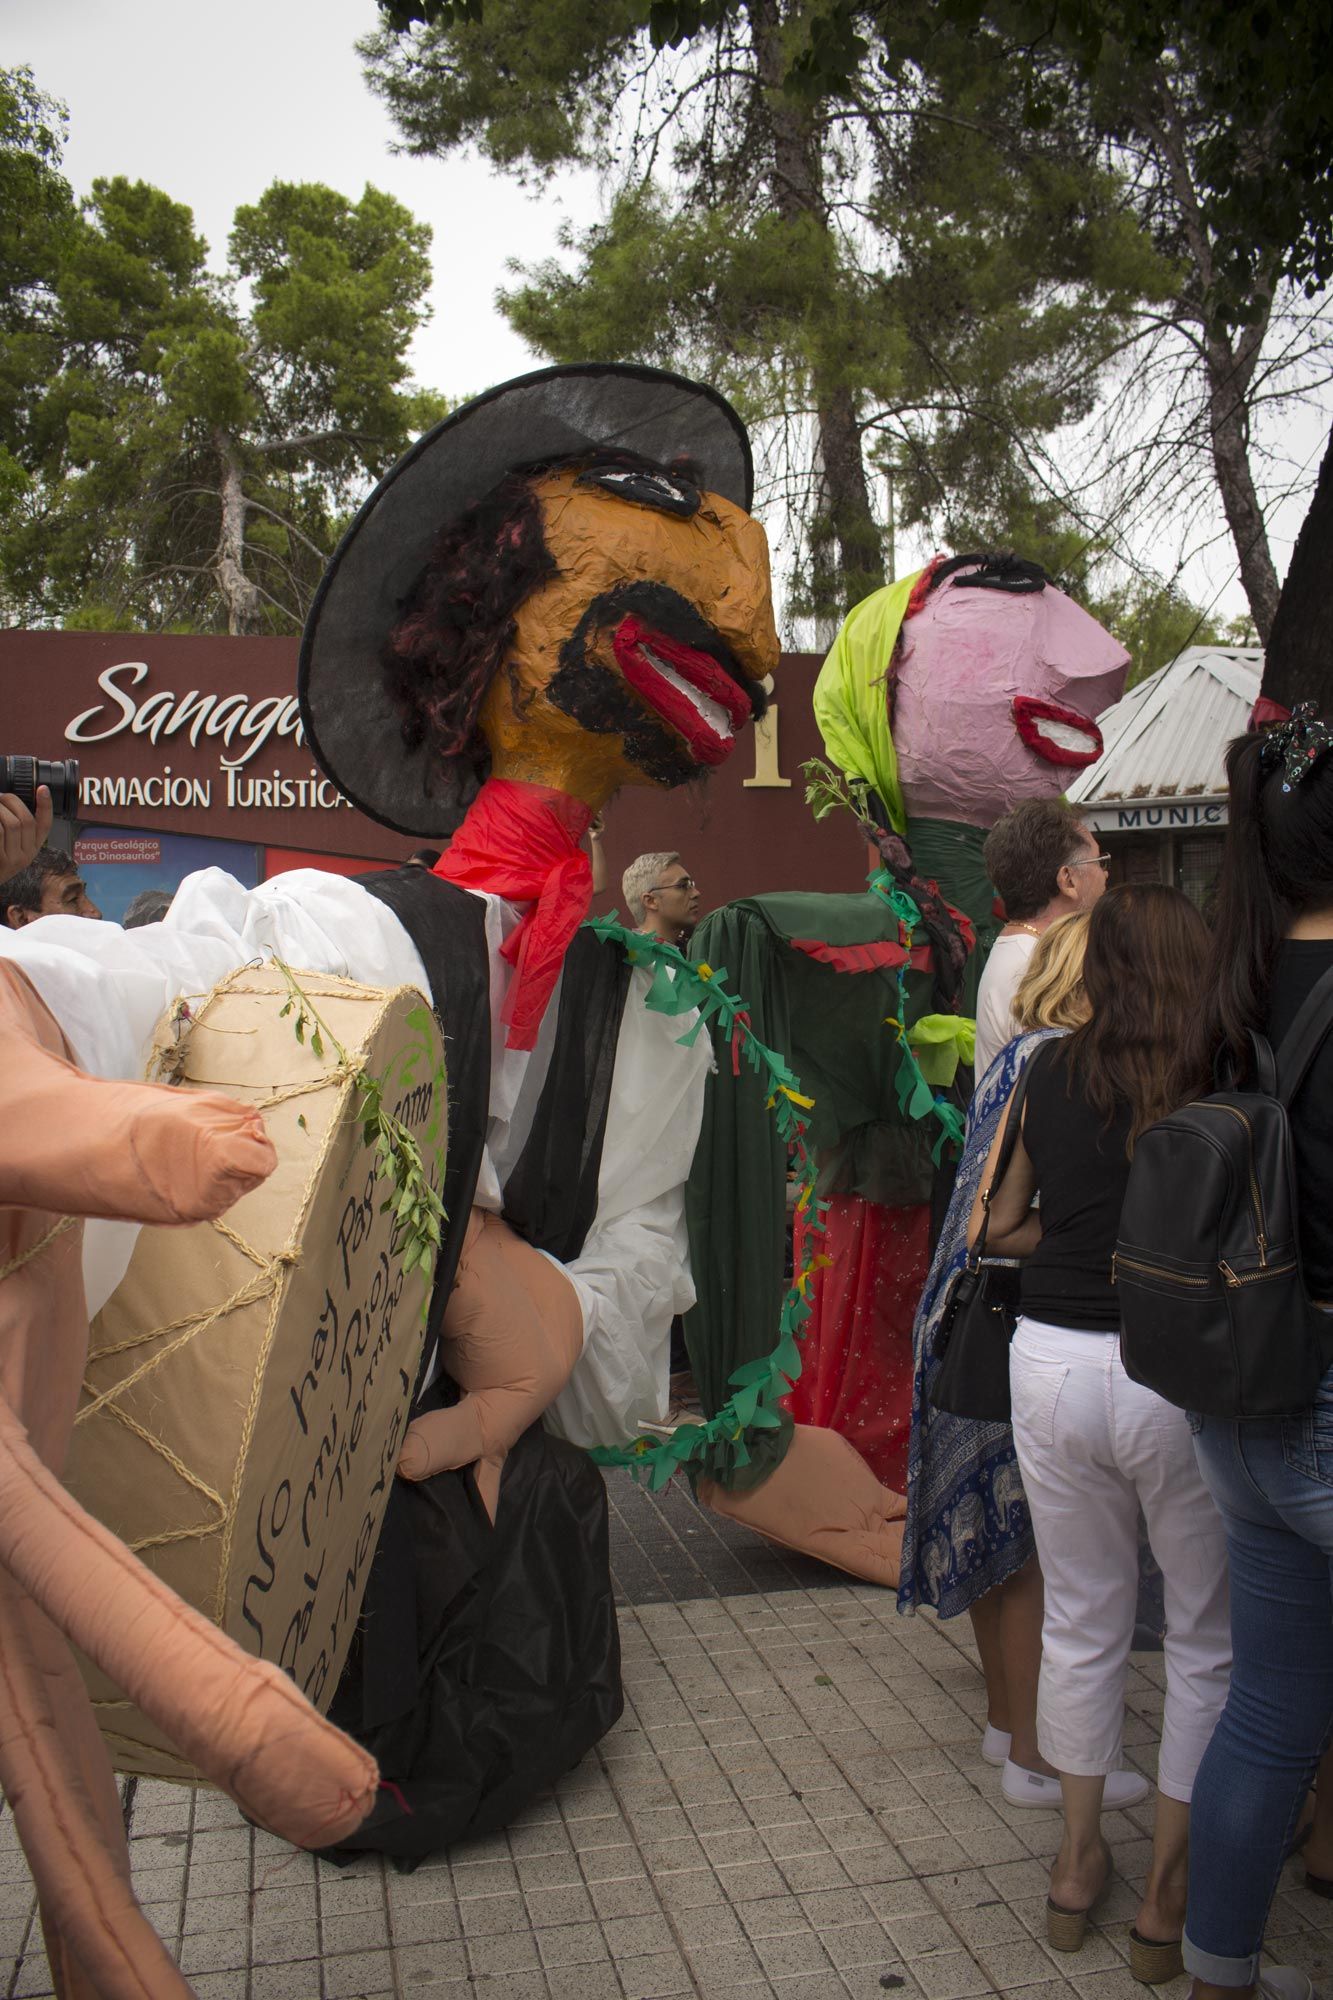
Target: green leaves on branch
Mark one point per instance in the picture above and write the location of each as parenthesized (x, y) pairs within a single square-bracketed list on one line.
[(415, 1205), (175, 453), (829, 790)]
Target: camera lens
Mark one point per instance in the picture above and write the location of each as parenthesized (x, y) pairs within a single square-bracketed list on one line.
[(23, 775)]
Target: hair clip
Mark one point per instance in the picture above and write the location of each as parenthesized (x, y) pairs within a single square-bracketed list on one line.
[(1296, 745)]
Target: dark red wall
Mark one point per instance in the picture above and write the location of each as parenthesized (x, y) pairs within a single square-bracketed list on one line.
[(739, 838)]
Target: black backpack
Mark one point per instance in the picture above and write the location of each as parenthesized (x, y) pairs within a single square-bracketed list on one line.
[(1213, 1309)]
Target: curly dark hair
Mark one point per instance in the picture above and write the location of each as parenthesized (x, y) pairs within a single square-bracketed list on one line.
[(458, 622), (24, 890), (1025, 851)]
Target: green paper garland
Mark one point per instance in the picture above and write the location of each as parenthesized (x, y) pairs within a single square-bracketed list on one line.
[(758, 1386), (916, 1099)]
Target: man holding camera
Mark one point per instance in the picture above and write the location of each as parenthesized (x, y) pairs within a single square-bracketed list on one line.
[(36, 880)]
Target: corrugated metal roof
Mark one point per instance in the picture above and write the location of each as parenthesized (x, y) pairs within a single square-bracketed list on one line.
[(1165, 739)]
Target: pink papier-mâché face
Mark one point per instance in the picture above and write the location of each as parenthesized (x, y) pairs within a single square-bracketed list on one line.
[(995, 699)]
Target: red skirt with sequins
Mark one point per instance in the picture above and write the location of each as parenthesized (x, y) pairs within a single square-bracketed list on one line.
[(857, 1347)]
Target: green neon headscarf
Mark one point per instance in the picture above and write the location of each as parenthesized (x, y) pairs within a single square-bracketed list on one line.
[(851, 700)]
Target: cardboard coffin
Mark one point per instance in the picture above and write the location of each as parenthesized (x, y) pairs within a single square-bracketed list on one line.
[(249, 1380)]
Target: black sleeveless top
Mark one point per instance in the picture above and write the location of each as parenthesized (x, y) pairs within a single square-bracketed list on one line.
[(1082, 1172)]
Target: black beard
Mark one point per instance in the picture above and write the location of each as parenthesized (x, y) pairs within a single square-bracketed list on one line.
[(600, 702), (597, 697)]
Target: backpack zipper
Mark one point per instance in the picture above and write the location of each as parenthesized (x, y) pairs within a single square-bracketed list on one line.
[(1238, 1278), (1152, 1270), (1256, 1199)]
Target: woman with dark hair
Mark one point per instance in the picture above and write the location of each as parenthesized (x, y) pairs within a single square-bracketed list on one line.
[(1094, 1448), (1271, 1478)]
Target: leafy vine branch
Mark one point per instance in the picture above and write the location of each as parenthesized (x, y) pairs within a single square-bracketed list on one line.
[(828, 790), (416, 1207)]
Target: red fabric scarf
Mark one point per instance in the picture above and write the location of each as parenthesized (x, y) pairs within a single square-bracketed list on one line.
[(522, 842)]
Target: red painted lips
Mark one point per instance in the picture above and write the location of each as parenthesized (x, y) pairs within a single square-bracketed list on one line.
[(1060, 735), (685, 687)]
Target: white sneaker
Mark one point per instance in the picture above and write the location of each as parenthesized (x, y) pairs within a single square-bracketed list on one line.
[(995, 1745), (1285, 1982), (1031, 1788)]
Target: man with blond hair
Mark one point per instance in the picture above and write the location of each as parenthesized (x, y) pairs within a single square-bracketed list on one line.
[(663, 898)]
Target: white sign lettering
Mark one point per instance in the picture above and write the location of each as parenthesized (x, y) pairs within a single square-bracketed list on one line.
[(1157, 816), (233, 717), (246, 794)]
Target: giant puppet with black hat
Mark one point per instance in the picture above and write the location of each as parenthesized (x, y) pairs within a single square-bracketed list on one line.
[(557, 592)]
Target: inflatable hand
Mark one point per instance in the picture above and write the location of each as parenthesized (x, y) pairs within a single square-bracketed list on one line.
[(512, 1333), (823, 1500), (78, 1145)]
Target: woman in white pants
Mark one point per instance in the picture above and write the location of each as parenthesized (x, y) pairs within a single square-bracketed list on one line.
[(1093, 1446)]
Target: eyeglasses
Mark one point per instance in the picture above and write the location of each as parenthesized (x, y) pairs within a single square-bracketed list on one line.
[(685, 882), (1102, 861)]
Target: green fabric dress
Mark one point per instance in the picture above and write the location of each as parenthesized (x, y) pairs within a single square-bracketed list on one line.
[(830, 1025)]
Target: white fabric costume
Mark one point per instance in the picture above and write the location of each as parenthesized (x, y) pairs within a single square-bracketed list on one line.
[(108, 988)]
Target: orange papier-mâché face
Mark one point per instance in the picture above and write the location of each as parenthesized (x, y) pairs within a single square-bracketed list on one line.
[(645, 656)]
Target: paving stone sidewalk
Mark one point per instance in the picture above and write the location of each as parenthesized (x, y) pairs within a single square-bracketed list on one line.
[(794, 1805)]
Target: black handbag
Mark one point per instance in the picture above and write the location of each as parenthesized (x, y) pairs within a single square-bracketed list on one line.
[(981, 1311)]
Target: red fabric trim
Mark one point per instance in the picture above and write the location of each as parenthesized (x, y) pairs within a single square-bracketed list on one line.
[(1267, 710), (921, 588), (522, 842), (863, 957)]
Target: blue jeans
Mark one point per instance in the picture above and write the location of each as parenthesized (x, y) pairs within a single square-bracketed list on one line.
[(1272, 1480)]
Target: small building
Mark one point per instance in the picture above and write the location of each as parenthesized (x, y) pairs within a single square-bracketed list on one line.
[(1156, 797)]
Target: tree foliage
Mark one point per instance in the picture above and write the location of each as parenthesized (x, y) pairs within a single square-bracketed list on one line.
[(37, 214), (896, 278), (197, 440)]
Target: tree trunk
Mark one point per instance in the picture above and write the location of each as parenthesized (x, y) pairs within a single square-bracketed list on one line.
[(1230, 371), (245, 604), (796, 188), (855, 529), (1298, 665), (1229, 359)]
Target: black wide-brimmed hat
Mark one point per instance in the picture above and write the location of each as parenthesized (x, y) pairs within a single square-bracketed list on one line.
[(353, 727)]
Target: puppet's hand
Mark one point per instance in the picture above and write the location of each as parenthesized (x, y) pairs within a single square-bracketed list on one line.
[(133, 1152), (513, 1330)]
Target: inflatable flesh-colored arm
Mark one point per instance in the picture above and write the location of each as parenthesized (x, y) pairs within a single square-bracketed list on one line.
[(241, 1721), (823, 1500), (126, 1151), (79, 1145), (513, 1330)]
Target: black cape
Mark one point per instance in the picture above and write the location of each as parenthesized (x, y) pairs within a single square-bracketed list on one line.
[(487, 1658)]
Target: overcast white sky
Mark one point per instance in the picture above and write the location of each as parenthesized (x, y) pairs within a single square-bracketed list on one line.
[(212, 102)]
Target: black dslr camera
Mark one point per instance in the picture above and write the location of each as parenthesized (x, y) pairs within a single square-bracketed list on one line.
[(22, 776)]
